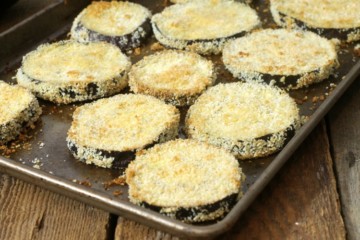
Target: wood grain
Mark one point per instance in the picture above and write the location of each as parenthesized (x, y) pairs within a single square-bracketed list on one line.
[(300, 203), (344, 122), (29, 212), (130, 230)]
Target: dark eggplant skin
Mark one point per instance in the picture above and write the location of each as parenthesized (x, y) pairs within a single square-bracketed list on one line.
[(285, 81), (190, 214), (329, 33), (216, 43), (10, 130), (290, 80), (124, 42), (190, 42), (74, 93), (121, 159), (289, 133)]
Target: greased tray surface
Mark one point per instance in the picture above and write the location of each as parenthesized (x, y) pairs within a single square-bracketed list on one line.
[(41, 155)]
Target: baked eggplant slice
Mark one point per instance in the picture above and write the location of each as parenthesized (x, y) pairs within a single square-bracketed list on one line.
[(203, 26), (332, 19), (19, 109), (250, 120), (68, 71), (124, 24), (109, 131), (177, 77), (186, 180), (184, 1), (290, 59)]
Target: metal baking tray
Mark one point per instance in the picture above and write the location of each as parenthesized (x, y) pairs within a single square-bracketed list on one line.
[(41, 157)]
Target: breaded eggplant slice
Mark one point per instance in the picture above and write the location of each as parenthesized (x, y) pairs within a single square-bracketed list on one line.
[(184, 1), (19, 109), (186, 180), (332, 19), (203, 26), (287, 58), (68, 71), (177, 77), (109, 131), (250, 120), (124, 24)]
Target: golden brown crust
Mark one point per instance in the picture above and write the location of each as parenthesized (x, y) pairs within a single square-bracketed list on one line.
[(16, 113), (337, 17), (176, 77), (203, 26), (281, 53), (68, 71), (113, 18), (123, 123), (249, 119), (184, 174)]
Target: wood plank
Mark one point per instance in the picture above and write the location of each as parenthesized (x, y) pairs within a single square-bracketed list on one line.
[(344, 122), (300, 203), (129, 230), (29, 212)]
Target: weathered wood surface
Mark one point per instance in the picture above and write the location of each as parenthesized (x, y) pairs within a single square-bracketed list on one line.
[(300, 203), (344, 122), (29, 212), (127, 229)]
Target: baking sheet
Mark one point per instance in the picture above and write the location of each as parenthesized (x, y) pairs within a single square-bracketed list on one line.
[(41, 156)]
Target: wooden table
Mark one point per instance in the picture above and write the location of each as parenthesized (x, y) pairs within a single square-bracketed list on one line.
[(316, 195)]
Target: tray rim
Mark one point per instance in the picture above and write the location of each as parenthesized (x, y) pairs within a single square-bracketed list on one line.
[(156, 220)]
